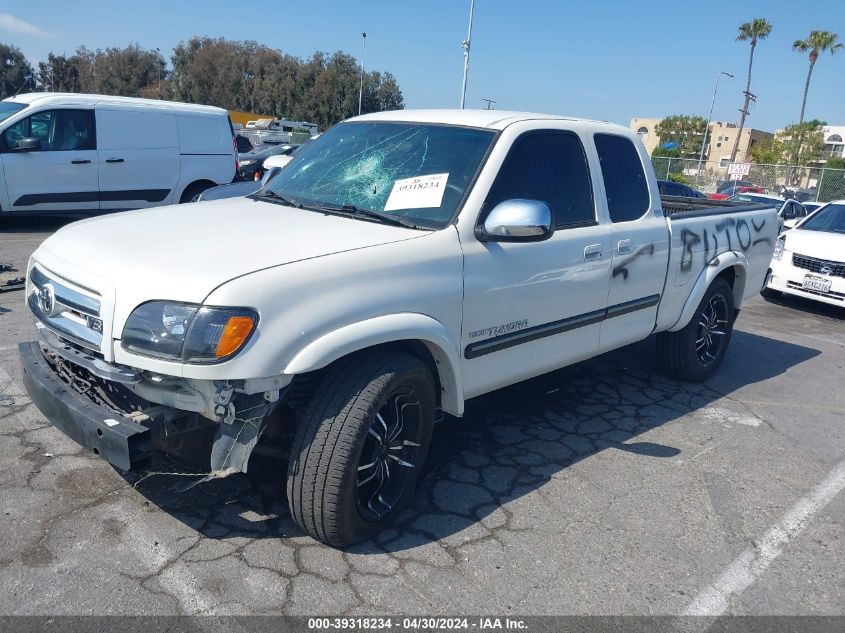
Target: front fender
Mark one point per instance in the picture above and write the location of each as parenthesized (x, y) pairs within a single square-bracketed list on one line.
[(389, 329), (720, 263)]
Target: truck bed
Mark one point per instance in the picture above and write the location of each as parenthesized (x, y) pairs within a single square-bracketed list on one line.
[(675, 205)]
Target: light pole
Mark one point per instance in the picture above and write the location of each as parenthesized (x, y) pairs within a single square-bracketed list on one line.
[(361, 88), (465, 46), (707, 127), (158, 64)]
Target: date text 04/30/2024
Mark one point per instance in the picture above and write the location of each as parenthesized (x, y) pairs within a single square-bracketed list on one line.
[(417, 624)]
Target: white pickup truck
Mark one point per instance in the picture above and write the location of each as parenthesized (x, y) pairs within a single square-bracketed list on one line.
[(402, 264)]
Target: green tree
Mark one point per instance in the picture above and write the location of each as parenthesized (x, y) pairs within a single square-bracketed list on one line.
[(831, 180), (803, 141), (757, 29), (685, 132), (247, 76), (769, 152), (59, 74), (16, 74), (817, 42)]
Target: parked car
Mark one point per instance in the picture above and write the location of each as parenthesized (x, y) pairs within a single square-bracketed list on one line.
[(251, 164), (813, 206), (671, 188), (402, 264), (272, 165), (809, 260), (88, 153), (731, 191), (724, 185), (790, 212), (244, 144)]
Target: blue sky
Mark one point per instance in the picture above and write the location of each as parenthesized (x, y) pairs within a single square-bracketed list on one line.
[(603, 59)]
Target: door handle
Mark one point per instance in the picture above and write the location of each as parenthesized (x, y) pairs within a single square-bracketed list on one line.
[(624, 247), (79, 161), (593, 251), (114, 160)]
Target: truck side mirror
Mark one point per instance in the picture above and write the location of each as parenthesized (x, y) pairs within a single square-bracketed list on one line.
[(28, 144), (517, 220)]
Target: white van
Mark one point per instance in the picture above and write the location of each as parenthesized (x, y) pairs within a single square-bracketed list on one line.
[(79, 153)]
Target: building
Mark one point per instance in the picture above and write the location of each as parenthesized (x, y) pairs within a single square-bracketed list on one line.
[(834, 145), (720, 139)]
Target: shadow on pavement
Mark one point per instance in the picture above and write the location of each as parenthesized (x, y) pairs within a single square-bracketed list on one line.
[(35, 224), (508, 444), (808, 306)]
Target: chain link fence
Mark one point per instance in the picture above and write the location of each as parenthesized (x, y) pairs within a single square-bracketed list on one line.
[(807, 184)]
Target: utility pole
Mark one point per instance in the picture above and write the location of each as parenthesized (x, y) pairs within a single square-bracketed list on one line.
[(159, 72), (489, 102), (749, 99), (707, 127), (361, 88), (465, 46)]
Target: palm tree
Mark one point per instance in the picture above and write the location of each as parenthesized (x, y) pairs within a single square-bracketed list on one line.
[(757, 29), (817, 42)]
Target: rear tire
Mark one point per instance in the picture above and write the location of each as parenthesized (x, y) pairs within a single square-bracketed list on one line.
[(193, 191), (359, 446), (695, 352)]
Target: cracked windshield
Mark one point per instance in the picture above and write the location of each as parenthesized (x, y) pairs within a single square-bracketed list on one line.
[(411, 172)]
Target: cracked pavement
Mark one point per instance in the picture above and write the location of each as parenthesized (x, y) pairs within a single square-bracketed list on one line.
[(602, 488)]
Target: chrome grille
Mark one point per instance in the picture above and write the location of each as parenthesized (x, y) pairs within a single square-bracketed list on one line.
[(65, 309), (814, 264)]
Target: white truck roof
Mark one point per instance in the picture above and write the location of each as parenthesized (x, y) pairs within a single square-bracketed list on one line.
[(493, 119), (65, 98)]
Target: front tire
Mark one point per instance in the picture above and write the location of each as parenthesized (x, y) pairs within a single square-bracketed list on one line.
[(695, 352), (359, 446)]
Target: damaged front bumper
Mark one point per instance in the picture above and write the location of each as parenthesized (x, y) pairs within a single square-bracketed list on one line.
[(127, 438), (118, 439)]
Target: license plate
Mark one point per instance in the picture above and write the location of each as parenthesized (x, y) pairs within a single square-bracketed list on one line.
[(818, 284)]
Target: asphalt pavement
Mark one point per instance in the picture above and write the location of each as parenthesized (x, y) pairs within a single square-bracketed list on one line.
[(604, 488)]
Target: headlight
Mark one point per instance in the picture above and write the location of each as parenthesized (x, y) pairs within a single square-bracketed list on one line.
[(779, 245), (187, 332), (244, 163)]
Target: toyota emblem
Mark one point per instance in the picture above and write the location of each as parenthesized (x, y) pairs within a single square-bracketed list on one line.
[(47, 299), (826, 270)]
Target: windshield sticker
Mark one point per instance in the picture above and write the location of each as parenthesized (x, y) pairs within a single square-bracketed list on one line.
[(420, 192)]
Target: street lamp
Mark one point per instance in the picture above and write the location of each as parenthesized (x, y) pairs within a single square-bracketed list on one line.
[(158, 64), (707, 127), (361, 89), (465, 46)]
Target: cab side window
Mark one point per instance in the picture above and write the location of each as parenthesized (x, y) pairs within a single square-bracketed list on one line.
[(624, 179), (56, 130), (550, 166)]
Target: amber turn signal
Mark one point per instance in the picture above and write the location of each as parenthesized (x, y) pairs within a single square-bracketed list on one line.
[(236, 331)]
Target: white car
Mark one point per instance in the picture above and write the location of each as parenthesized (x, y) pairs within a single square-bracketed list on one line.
[(402, 264), (76, 153), (790, 212), (809, 260)]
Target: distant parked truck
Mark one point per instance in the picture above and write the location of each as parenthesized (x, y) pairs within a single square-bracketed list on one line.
[(87, 153), (279, 131)]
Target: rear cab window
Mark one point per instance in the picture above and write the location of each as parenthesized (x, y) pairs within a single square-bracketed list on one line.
[(549, 166), (624, 179)]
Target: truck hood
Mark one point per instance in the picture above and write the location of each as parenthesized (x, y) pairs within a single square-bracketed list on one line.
[(818, 244), (184, 252)]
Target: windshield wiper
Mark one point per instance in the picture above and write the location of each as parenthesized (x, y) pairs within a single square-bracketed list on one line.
[(272, 196), (351, 209)]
